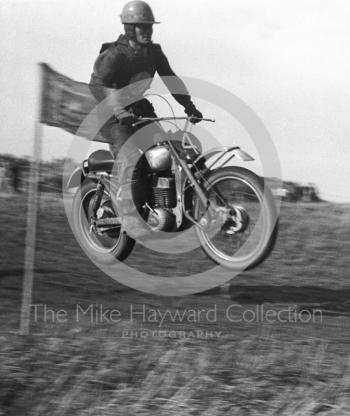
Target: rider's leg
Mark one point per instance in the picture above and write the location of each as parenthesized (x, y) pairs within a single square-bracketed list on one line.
[(132, 171), (118, 137)]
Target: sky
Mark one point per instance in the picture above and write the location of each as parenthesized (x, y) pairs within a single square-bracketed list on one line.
[(288, 60)]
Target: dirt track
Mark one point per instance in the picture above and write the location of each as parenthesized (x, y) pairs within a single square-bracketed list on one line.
[(307, 272)]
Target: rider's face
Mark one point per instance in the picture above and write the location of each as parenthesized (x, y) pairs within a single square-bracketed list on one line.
[(144, 33)]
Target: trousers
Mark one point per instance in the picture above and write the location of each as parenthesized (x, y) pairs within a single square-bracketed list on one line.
[(135, 184), (119, 134)]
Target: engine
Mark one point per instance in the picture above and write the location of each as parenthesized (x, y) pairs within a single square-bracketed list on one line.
[(161, 218), (164, 191)]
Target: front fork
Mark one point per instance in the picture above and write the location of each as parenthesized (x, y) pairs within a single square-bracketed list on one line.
[(233, 219), (205, 201)]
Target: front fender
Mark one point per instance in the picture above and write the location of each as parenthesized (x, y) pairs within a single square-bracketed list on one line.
[(241, 154), (224, 155)]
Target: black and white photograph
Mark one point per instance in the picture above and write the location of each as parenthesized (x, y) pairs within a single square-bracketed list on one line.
[(174, 208)]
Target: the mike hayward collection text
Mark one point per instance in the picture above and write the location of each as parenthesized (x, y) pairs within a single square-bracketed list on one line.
[(98, 314)]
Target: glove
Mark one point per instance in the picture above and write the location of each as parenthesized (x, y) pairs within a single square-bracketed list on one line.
[(191, 111), (125, 118)]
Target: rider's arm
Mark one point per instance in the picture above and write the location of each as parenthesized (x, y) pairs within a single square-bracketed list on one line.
[(174, 83), (108, 76)]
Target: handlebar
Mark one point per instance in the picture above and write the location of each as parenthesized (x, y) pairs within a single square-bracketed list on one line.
[(188, 119)]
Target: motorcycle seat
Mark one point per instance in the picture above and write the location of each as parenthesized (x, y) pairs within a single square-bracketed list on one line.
[(101, 160)]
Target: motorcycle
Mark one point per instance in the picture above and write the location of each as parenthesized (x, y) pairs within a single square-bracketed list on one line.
[(175, 186)]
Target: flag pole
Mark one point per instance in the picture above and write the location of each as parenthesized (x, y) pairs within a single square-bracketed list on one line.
[(32, 210)]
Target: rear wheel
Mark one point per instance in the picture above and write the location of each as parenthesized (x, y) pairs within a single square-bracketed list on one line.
[(104, 247), (240, 232)]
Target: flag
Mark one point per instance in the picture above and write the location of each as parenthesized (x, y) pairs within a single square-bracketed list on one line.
[(65, 103)]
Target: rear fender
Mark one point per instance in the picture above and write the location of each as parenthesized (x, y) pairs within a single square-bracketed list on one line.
[(79, 175), (76, 178)]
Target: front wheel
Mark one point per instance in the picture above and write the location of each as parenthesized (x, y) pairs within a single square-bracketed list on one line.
[(103, 248), (239, 229)]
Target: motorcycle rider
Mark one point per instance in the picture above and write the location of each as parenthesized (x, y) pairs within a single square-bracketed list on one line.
[(133, 57)]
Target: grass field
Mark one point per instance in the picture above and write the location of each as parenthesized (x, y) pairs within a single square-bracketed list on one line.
[(232, 360)]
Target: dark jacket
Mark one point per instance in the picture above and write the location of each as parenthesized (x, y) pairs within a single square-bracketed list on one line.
[(119, 65)]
